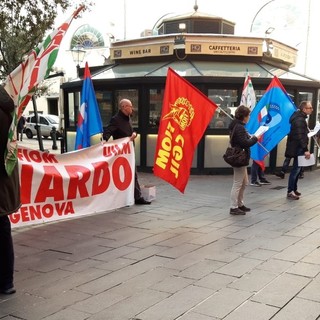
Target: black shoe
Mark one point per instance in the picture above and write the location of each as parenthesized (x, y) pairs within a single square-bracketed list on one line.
[(264, 182), (297, 193), (301, 175), (142, 201), (8, 291), (280, 174), (237, 212), (244, 208)]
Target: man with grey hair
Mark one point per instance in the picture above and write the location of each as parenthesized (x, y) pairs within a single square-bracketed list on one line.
[(120, 127)]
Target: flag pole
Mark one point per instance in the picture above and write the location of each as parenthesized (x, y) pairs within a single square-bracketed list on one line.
[(226, 113), (38, 128)]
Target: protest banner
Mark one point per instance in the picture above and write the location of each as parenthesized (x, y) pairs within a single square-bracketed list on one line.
[(87, 181)]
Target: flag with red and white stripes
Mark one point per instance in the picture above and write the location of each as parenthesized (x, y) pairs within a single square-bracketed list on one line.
[(21, 83), (248, 97)]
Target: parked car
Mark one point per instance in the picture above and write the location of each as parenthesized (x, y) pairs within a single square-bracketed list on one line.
[(46, 123)]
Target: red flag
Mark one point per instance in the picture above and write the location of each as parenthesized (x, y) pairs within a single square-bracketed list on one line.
[(186, 113)]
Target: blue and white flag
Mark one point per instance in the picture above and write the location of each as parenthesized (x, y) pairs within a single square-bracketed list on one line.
[(89, 119), (273, 110)]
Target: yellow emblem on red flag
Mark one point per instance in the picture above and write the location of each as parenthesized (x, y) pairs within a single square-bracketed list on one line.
[(186, 113)]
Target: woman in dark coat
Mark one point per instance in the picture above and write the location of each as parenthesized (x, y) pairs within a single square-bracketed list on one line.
[(9, 198), (242, 139)]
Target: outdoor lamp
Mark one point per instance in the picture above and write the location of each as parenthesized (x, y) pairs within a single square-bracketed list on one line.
[(78, 54)]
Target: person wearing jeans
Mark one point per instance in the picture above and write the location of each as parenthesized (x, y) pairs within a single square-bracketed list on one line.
[(297, 144), (257, 173), (285, 167)]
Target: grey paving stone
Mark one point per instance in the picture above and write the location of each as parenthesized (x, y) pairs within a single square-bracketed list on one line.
[(253, 310), (116, 264), (295, 252), (299, 309), (179, 250), (281, 290), (37, 308), (42, 280), (253, 281), (131, 307), (260, 254), (126, 235), (222, 302), (201, 269), (44, 261), (239, 267), (275, 265), (210, 237), (301, 231), (156, 238), (311, 291), (196, 316), (215, 281), (172, 284), (98, 302), (74, 280), (122, 275), (146, 252), (143, 281), (280, 243), (305, 269), (313, 257), (180, 239), (68, 313), (81, 265), (115, 253), (177, 304)]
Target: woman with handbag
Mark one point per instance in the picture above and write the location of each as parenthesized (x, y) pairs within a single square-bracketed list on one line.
[(240, 139)]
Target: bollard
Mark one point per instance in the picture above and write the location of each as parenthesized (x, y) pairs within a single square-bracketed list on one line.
[(53, 135)]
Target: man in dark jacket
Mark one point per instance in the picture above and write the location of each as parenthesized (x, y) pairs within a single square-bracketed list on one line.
[(120, 127), (9, 198), (297, 145)]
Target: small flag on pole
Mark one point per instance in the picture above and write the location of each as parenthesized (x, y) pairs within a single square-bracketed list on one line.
[(248, 97), (89, 119)]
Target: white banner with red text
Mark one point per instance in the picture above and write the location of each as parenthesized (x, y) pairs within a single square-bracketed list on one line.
[(59, 186)]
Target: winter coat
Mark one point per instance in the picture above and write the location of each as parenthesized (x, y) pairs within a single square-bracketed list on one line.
[(9, 185), (120, 127), (240, 137), (297, 141)]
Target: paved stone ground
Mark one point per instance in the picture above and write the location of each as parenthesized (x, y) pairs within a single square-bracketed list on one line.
[(183, 257)]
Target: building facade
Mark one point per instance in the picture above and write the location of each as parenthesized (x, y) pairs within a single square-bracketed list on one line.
[(202, 49)]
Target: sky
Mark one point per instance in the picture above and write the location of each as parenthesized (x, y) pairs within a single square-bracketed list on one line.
[(295, 22)]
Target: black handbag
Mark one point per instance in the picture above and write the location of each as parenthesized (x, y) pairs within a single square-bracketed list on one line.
[(236, 156)]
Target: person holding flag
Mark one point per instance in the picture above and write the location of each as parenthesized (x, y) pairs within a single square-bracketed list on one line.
[(248, 99), (297, 145), (239, 137)]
